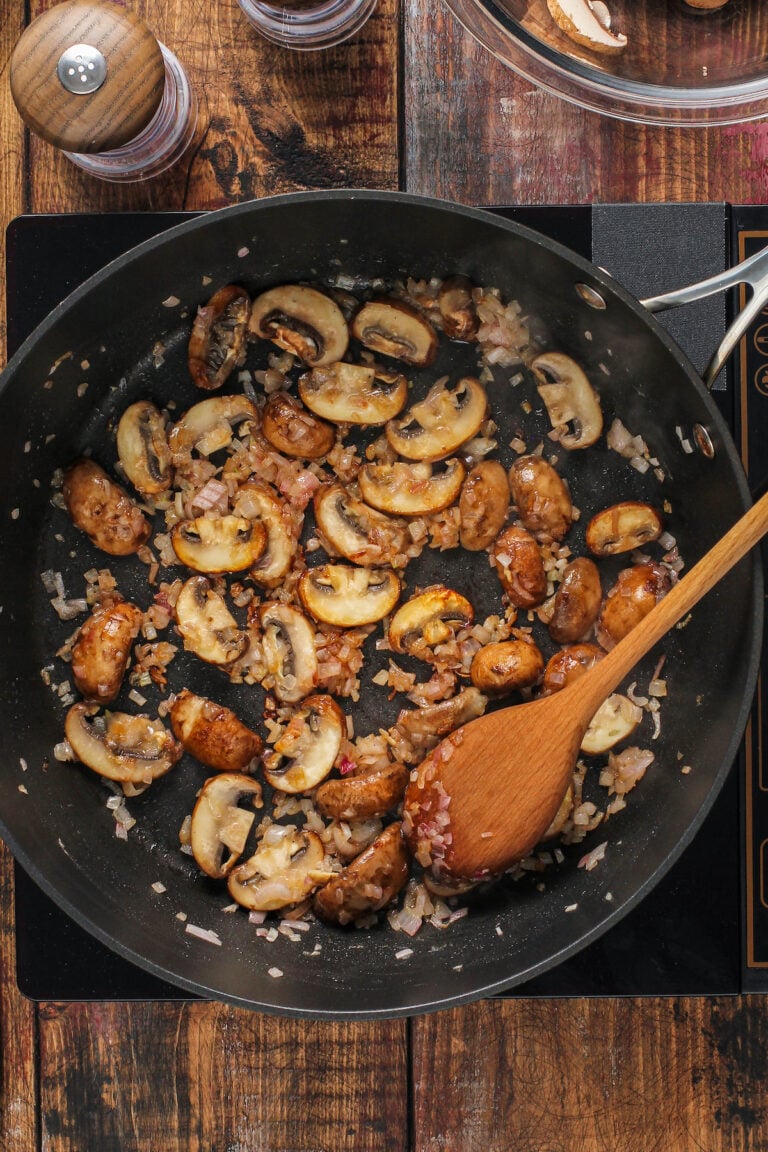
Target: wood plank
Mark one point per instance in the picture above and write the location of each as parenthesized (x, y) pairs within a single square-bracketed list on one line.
[(204, 1077), (478, 133), (270, 120), (678, 1075)]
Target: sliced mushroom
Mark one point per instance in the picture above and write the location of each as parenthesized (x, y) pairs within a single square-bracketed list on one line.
[(304, 753), (429, 618), (637, 590), (571, 401), (615, 720), (206, 624), (212, 733), (622, 528), (362, 797), (425, 727), (290, 428), (520, 567), (133, 750), (357, 532), (411, 489), (143, 448), (219, 544), (457, 308), (102, 649), (348, 597), (568, 665), (508, 666), (103, 510), (354, 393), (257, 501), (217, 342), (286, 867), (483, 505), (288, 643), (436, 426), (303, 321), (219, 825), (577, 602), (393, 328), (208, 426), (561, 817), (541, 497), (582, 24), (369, 883)]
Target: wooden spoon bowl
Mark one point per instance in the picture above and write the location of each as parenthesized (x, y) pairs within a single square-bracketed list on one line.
[(486, 795)]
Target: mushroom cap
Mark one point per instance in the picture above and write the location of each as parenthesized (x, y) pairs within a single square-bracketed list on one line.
[(623, 528), (364, 394), (207, 426), (354, 530), (206, 624), (102, 649), (411, 489), (132, 750), (219, 825), (303, 321), (348, 597), (571, 401), (217, 340), (457, 308), (257, 501), (369, 883), (103, 509), (291, 429), (143, 448), (436, 426), (580, 23), (219, 544), (288, 643), (615, 720), (425, 619), (391, 327), (285, 868), (212, 733), (363, 797), (304, 753)]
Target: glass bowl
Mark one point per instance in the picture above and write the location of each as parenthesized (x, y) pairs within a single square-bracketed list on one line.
[(681, 65)]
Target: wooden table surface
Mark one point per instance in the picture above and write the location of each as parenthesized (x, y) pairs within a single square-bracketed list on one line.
[(411, 103)]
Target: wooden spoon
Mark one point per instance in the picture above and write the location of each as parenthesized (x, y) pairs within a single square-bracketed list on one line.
[(487, 794)]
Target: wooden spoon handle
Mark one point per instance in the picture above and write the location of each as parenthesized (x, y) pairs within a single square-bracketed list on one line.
[(611, 670)]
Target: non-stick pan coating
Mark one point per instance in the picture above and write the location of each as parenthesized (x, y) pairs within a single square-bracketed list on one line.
[(120, 335)]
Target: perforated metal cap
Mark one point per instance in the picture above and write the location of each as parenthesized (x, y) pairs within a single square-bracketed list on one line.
[(87, 77)]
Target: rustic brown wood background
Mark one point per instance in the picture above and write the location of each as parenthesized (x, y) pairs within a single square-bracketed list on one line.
[(411, 103)]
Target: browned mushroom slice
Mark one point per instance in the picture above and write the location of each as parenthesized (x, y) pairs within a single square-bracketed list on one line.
[(219, 825), (436, 426), (103, 510), (143, 448), (212, 733), (508, 666), (286, 868), (257, 501), (102, 649), (541, 497), (580, 21), (571, 401), (615, 720), (393, 328), (206, 624), (369, 883), (304, 753), (354, 393), (622, 528), (288, 426), (363, 797), (411, 489), (457, 308), (568, 665), (577, 602), (429, 618), (425, 727), (348, 597), (132, 750), (357, 532), (520, 567), (217, 342), (206, 427), (636, 592), (288, 643), (303, 321), (219, 544), (483, 505)]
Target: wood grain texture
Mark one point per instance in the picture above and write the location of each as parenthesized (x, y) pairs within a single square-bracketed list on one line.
[(210, 1078), (592, 1076), (18, 1079), (477, 133)]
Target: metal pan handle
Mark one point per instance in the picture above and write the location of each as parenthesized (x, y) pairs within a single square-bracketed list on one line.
[(754, 272)]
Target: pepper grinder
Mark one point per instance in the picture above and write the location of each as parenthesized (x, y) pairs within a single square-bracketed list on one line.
[(92, 80)]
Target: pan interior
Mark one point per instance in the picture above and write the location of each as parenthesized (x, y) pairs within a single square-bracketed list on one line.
[(123, 337)]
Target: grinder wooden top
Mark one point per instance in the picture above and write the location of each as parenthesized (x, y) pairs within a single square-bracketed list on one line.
[(93, 121)]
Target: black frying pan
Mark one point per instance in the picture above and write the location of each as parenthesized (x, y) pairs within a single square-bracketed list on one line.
[(59, 827)]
